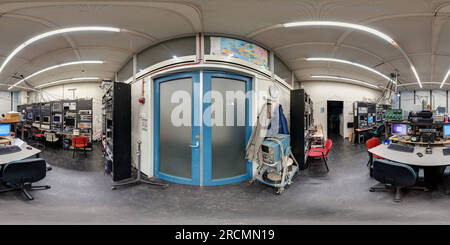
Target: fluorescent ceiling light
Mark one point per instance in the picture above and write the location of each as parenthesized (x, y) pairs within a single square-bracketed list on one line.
[(445, 78), (53, 33), (416, 75), (345, 25), (353, 64), (344, 79), (360, 28), (68, 80), (55, 67)]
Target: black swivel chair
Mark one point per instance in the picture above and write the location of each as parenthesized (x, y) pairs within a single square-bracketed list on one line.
[(379, 132), (20, 175), (395, 175)]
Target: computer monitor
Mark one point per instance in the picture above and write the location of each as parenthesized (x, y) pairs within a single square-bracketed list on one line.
[(399, 129), (370, 119), (378, 118), (30, 115), (5, 129), (70, 122), (362, 118), (46, 119), (37, 118), (56, 119), (447, 130)]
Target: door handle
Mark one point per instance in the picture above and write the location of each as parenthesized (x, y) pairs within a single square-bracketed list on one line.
[(196, 145)]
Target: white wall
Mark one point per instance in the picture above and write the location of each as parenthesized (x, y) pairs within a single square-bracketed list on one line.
[(5, 102), (323, 91), (439, 99), (85, 90)]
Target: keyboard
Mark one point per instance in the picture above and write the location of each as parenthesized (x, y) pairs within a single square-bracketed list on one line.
[(9, 149), (446, 151), (402, 148)]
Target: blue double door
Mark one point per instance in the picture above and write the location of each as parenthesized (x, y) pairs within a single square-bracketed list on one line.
[(201, 128)]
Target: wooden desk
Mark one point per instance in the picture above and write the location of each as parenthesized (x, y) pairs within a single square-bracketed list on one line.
[(6, 140), (358, 131), (435, 143), (435, 159)]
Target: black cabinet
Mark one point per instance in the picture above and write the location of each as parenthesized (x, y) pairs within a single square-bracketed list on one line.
[(116, 130), (301, 121)]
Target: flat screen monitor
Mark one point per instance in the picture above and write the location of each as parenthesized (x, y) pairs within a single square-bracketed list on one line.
[(37, 118), (362, 118), (399, 129), (5, 129), (447, 130), (378, 118), (370, 119), (56, 119), (46, 119)]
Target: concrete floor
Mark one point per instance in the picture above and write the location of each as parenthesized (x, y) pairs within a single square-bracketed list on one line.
[(81, 194)]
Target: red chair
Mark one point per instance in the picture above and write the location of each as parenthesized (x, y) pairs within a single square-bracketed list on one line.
[(371, 143), (321, 153), (78, 143)]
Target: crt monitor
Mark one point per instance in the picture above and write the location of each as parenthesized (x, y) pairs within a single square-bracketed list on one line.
[(362, 118), (378, 118), (370, 119), (37, 118), (447, 130), (56, 119), (5, 129), (399, 129), (30, 115), (46, 119)]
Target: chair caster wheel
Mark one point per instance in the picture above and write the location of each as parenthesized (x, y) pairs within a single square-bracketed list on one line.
[(371, 190), (113, 188)]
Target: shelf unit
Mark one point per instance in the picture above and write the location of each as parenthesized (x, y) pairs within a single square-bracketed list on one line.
[(116, 130)]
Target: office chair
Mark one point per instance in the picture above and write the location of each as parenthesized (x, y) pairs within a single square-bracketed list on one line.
[(79, 143), (379, 132), (321, 153), (20, 175), (371, 143), (394, 175), (51, 137), (39, 137)]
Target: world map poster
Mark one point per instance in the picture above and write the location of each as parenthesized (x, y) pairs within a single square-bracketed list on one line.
[(239, 49)]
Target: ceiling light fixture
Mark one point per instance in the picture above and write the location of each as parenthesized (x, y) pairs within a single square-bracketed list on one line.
[(68, 80), (344, 79), (55, 67), (445, 78), (353, 64), (360, 28), (345, 25), (53, 33)]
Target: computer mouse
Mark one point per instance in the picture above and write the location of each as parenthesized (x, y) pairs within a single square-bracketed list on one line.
[(419, 154), (29, 148)]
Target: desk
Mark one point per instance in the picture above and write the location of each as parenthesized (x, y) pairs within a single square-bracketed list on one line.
[(358, 131), (6, 140), (317, 136), (437, 159), (24, 153), (437, 143)]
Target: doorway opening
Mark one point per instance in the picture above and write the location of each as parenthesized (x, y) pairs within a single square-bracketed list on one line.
[(334, 117)]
